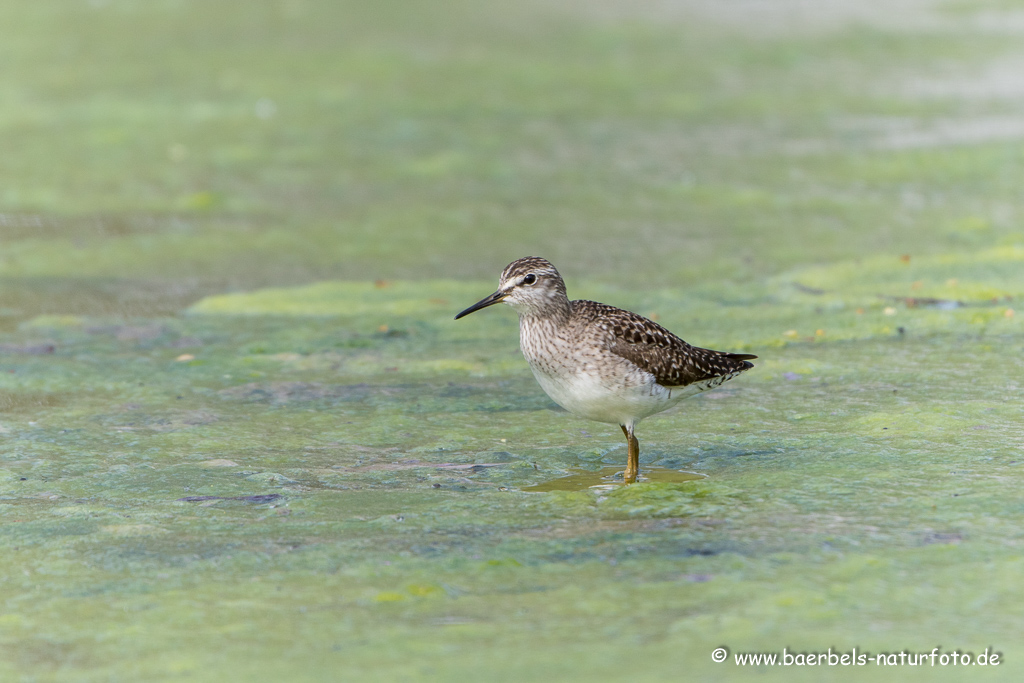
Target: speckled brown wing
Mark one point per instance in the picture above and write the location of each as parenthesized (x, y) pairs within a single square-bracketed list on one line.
[(672, 361)]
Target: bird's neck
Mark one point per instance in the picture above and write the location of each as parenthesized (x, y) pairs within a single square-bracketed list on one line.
[(555, 312)]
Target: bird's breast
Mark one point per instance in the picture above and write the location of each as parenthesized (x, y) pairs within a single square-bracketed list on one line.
[(587, 380)]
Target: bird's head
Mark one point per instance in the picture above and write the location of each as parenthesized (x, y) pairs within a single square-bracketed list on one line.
[(531, 285)]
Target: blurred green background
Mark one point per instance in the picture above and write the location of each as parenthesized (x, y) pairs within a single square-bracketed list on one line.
[(241, 435)]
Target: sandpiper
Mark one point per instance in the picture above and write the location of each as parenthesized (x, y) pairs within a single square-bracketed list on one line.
[(601, 362)]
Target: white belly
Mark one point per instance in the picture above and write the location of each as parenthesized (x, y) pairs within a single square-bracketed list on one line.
[(586, 395)]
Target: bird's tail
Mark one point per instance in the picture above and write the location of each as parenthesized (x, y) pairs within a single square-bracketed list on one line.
[(743, 357)]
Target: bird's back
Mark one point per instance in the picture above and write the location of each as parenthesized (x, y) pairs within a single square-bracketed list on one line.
[(652, 348)]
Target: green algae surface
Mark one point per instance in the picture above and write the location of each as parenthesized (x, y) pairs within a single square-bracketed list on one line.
[(241, 436), (359, 486)]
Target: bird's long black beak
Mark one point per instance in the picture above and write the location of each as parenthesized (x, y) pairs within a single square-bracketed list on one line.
[(495, 298)]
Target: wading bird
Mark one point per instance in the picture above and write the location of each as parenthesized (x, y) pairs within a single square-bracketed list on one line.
[(601, 362)]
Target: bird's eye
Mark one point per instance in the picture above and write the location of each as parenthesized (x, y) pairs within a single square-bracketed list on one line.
[(530, 279)]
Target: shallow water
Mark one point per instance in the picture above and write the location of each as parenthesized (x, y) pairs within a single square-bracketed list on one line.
[(266, 474), (608, 478)]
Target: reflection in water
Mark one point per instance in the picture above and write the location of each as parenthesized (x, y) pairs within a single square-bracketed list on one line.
[(611, 477)]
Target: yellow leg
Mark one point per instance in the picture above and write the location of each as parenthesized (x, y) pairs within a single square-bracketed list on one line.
[(633, 464)]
